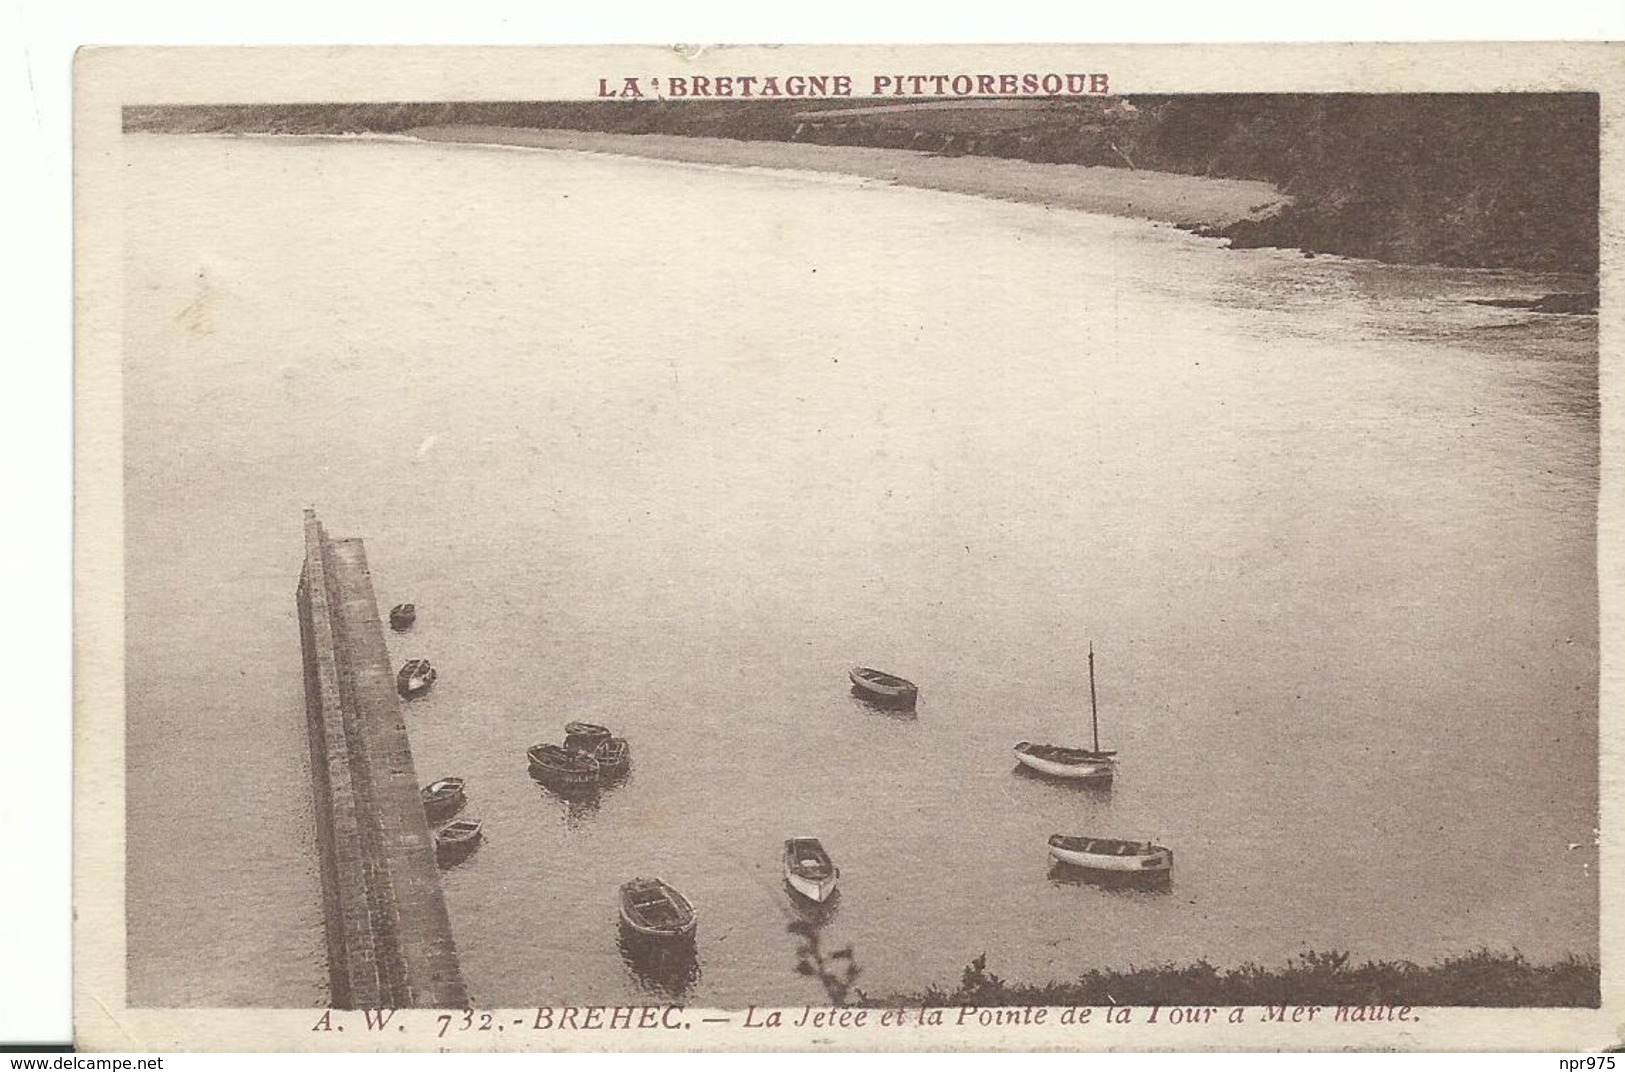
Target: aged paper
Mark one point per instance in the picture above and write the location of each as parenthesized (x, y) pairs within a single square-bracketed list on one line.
[(1100, 548)]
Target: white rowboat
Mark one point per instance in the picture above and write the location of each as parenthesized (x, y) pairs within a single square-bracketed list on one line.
[(809, 870), (1109, 854), (1058, 761)]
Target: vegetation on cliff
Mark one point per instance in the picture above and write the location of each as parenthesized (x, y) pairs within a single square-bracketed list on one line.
[(1482, 979), (1489, 179)]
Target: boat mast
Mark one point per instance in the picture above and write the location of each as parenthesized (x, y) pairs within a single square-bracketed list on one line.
[(1094, 714)]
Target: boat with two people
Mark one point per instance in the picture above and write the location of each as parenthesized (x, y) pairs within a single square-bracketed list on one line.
[(1078, 764), (879, 687), (562, 768), (443, 798), (456, 840), (401, 616), (415, 678), (655, 912), (1112, 855), (808, 869)]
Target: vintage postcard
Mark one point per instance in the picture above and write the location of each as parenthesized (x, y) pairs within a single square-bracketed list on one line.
[(876, 548)]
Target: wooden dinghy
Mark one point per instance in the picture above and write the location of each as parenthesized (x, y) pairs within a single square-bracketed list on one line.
[(415, 678), (808, 869), (1110, 854), (562, 767), (584, 736), (614, 756), (443, 798), (653, 910), (881, 687), (401, 616), (456, 840)]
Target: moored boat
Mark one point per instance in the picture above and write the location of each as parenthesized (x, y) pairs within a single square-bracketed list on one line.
[(562, 767), (443, 798), (456, 839), (401, 616), (881, 687), (614, 756), (414, 678), (1061, 761), (584, 736), (1111, 854), (1058, 761), (653, 910), (809, 870)]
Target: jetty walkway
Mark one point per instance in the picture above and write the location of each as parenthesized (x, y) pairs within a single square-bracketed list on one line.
[(389, 942)]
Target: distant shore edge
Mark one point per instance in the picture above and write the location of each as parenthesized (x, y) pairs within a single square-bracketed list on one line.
[(1190, 201)]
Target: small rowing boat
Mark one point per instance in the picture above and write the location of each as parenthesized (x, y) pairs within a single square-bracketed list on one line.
[(584, 736), (1110, 854), (442, 799), (562, 767), (401, 616), (653, 910), (809, 870), (456, 840), (881, 687), (415, 678), (614, 756)]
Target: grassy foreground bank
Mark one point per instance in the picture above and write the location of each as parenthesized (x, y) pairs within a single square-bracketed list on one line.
[(1482, 979)]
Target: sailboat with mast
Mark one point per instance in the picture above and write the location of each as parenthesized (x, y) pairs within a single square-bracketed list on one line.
[(1075, 764)]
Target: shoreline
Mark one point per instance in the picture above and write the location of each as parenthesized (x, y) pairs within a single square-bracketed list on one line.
[(1188, 201)]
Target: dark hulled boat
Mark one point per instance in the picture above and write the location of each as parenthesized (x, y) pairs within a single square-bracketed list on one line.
[(614, 756), (562, 768), (654, 911), (415, 678), (443, 798), (877, 686), (584, 736), (401, 616), (456, 840)]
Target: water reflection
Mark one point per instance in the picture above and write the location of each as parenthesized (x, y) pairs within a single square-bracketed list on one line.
[(1116, 881), (870, 705), (669, 969), (577, 803), (1099, 789)]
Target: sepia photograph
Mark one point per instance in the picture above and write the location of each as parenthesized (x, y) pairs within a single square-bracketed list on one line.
[(757, 542)]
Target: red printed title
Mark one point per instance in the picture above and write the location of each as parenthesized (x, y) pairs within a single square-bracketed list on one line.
[(711, 87)]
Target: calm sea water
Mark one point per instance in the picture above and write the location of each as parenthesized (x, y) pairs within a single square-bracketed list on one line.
[(670, 447)]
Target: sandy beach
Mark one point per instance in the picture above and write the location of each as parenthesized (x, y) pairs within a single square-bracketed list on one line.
[(1186, 200)]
